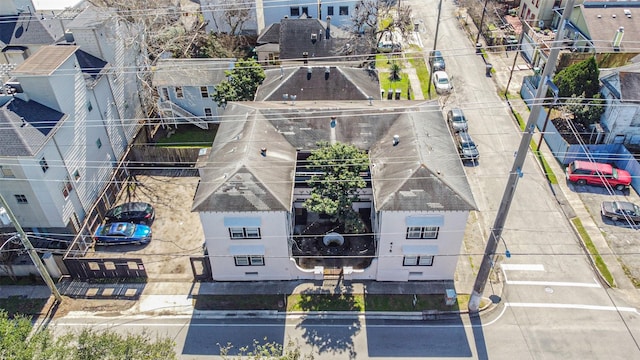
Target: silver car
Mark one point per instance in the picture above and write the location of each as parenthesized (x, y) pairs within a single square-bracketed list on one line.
[(442, 82), (457, 120), (620, 210)]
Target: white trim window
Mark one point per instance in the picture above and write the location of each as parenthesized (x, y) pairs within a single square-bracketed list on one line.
[(244, 232), (249, 260), (422, 232), (415, 260)]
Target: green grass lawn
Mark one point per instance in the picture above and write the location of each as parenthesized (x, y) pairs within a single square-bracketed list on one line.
[(189, 136), (422, 70), (14, 305), (591, 248), (329, 302)]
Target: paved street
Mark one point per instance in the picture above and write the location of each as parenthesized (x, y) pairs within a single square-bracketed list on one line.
[(552, 304)]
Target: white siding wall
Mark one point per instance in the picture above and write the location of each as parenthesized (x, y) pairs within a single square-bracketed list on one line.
[(619, 118), (274, 235), (213, 12), (393, 231), (193, 101)]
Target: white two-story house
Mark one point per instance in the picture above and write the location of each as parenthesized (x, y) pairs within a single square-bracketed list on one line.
[(253, 185), (185, 88)]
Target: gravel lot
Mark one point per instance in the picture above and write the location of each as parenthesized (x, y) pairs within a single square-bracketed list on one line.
[(177, 232), (622, 237)]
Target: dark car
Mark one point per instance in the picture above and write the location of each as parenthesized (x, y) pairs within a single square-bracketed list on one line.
[(134, 212), (620, 210), (122, 233), (457, 120), (436, 61), (467, 147)]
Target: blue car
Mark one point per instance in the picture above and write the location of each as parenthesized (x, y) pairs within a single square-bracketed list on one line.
[(123, 233)]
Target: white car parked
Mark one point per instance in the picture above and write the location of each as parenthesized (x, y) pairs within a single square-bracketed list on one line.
[(442, 82)]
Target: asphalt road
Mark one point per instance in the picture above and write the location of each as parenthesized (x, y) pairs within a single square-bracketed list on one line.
[(552, 306)]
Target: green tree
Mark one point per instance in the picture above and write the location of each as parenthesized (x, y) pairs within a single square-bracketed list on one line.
[(241, 84), (18, 342), (335, 187), (580, 85), (579, 79), (377, 18)]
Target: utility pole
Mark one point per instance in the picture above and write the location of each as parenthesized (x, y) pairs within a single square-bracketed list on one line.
[(484, 10), (435, 47), (516, 170), (32, 252)]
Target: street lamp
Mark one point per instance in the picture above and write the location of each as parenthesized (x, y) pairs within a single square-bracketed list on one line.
[(7, 214)]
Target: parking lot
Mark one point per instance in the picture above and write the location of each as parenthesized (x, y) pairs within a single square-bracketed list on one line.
[(622, 237), (177, 232)]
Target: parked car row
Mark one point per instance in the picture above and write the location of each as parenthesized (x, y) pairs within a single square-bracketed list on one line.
[(458, 124), (126, 224), (582, 172), (440, 78)]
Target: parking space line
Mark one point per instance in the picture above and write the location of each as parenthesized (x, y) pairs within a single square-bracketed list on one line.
[(523, 267), (554, 283)]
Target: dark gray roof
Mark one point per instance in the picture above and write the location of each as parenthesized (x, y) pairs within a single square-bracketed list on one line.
[(29, 29), (237, 177), (422, 173), (603, 21), (338, 84), (295, 39), (25, 126), (629, 86), (270, 35), (90, 64)]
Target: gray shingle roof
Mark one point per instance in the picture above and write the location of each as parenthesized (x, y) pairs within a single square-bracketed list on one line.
[(90, 64), (191, 72), (25, 126), (629, 86), (338, 84), (270, 35), (603, 22), (422, 173), (295, 39), (29, 29)]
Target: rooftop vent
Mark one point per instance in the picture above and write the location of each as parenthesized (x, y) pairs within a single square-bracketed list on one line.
[(314, 37), (627, 13), (613, 16)]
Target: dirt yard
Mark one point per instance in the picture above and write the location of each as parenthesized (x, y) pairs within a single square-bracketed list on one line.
[(177, 232)]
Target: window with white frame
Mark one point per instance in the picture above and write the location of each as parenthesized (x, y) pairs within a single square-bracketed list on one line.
[(329, 10), (344, 10), (165, 94), (204, 92), (6, 172), (179, 93), (244, 232), (66, 187), (422, 232), (76, 175), (249, 260), (295, 11), (418, 260), (208, 113)]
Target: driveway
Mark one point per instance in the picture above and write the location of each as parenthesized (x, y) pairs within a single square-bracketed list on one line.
[(177, 232), (622, 237)]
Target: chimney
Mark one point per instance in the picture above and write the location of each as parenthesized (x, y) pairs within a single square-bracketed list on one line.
[(328, 31), (263, 151)]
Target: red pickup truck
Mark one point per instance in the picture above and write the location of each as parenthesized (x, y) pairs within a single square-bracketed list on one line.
[(593, 173)]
